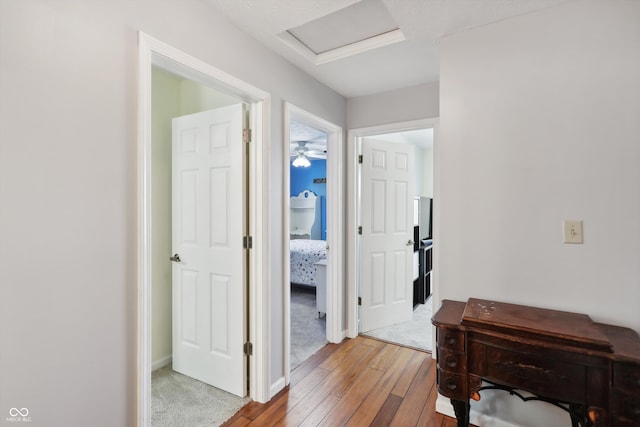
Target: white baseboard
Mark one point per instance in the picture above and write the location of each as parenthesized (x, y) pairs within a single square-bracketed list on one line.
[(161, 363), (341, 336), (443, 406), (277, 386)]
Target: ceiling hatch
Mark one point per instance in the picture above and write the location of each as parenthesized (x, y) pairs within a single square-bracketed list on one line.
[(358, 28)]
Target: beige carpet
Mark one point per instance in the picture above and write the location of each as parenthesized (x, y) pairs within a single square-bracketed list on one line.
[(416, 333), (181, 401), (178, 400)]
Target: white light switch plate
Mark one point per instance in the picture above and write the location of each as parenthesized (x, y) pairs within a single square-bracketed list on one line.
[(572, 231)]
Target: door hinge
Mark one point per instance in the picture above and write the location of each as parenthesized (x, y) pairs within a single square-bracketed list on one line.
[(247, 242), (359, 300), (246, 135), (360, 158), (360, 230), (248, 349)]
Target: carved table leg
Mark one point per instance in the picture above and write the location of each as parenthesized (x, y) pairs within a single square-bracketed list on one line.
[(597, 416), (461, 408), (578, 418)]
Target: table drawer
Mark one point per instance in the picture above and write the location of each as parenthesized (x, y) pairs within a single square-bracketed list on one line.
[(452, 385), (450, 340), (548, 378), (450, 361), (626, 376)]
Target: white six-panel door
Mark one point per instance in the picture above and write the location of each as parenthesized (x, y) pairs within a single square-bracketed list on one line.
[(386, 247), (208, 281)]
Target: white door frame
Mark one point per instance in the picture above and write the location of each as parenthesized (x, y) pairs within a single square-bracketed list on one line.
[(335, 226), (353, 210), (152, 52)]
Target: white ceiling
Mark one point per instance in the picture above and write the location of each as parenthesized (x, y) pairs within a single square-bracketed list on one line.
[(371, 66), (302, 132), (314, 139), (422, 138)]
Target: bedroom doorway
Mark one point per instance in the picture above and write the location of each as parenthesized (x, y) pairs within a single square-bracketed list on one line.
[(416, 332), (312, 235), (196, 86)]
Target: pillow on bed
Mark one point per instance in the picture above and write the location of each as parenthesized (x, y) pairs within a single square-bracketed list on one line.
[(299, 236)]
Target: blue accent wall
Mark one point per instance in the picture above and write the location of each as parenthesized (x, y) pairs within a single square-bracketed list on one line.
[(302, 179)]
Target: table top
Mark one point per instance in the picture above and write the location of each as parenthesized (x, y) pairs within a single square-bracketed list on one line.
[(577, 329)]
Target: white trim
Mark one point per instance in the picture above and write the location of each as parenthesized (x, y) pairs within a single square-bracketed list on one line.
[(144, 232), (361, 46), (353, 209), (154, 52), (296, 45), (286, 254), (185, 65), (435, 253), (260, 270), (277, 386), (335, 227)]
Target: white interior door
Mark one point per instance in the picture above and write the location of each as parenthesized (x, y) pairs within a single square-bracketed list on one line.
[(386, 246), (208, 281)]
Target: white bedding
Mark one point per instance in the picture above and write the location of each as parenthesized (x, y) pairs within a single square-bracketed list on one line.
[(304, 254)]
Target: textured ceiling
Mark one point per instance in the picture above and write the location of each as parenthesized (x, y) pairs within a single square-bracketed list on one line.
[(299, 131), (407, 63)]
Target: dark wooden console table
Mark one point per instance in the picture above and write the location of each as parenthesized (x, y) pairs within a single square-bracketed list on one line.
[(589, 369)]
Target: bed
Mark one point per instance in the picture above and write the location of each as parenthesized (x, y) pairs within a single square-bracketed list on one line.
[(304, 254)]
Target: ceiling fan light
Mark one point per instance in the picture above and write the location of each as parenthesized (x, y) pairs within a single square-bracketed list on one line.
[(301, 161)]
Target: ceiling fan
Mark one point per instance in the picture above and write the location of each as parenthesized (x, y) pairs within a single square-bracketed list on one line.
[(302, 151)]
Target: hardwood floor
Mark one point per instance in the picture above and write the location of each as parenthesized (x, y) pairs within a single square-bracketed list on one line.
[(359, 382)]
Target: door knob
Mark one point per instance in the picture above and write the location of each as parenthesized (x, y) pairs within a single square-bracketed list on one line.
[(410, 243), (175, 258)]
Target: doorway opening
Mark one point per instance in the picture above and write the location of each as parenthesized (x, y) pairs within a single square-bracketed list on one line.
[(197, 271), (374, 204), (313, 238), (307, 241), (191, 86)]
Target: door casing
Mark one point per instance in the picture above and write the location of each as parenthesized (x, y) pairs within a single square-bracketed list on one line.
[(335, 225), (152, 52), (353, 211)]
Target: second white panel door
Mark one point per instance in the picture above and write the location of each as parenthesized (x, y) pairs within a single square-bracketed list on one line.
[(386, 247)]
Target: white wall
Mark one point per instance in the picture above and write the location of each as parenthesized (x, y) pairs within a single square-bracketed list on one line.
[(423, 163), (539, 123), (195, 98), (68, 188), (419, 171), (402, 105), (165, 97)]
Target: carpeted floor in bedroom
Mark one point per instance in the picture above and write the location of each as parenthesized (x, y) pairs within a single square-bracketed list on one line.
[(308, 329)]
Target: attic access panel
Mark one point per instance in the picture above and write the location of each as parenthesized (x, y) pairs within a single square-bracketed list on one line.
[(362, 26)]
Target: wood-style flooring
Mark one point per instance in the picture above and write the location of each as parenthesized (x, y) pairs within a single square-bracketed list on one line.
[(359, 382)]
